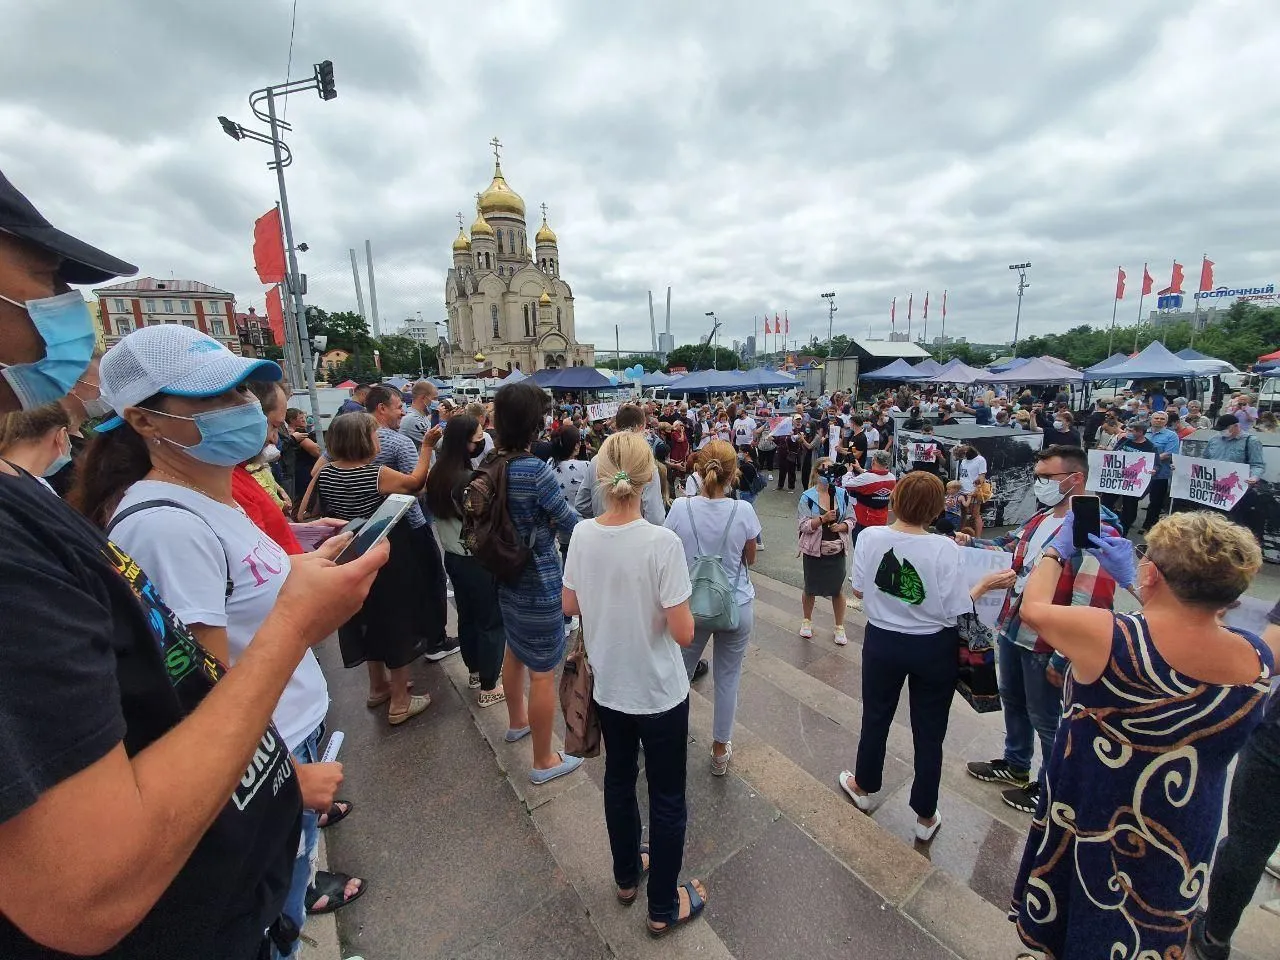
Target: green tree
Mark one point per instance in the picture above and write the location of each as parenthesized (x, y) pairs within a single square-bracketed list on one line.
[(346, 329), (649, 363), (698, 356), (400, 355), (964, 352), (837, 348)]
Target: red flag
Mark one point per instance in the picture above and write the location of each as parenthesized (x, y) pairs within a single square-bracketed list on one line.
[(893, 310), (1147, 282), (268, 248), (1206, 275), (1120, 278), (1175, 285), (926, 304), (777, 324), (788, 319), (275, 315)]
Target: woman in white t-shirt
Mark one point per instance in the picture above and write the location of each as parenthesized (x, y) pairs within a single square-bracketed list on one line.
[(715, 523), (166, 464), (628, 581), (972, 467), (913, 590), (744, 430)]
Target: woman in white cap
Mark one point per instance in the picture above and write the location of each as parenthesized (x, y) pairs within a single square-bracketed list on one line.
[(158, 478)]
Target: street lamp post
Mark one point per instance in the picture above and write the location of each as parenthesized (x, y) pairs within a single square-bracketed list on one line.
[(1021, 268), (322, 82), (831, 317), (714, 335)]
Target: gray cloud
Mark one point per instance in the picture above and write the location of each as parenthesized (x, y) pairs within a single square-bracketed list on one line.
[(751, 155)]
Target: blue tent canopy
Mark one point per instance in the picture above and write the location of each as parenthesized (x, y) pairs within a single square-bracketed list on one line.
[(1153, 363), (926, 368), (1189, 354), (1111, 361), (761, 379), (1013, 364), (898, 370), (708, 381), (1038, 370), (571, 378), (656, 379)]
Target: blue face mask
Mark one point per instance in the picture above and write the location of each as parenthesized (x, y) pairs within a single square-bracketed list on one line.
[(61, 461), (66, 327), (228, 436)]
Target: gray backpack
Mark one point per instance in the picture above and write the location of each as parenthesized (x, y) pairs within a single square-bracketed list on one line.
[(712, 602)]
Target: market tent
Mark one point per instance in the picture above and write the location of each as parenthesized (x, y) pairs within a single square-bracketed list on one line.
[(572, 378), (347, 385), (1037, 370), (1008, 365), (1270, 357), (1111, 361), (898, 370), (1154, 362), (515, 376), (657, 379), (398, 382), (1189, 354), (761, 379), (926, 368), (957, 371), (708, 381)]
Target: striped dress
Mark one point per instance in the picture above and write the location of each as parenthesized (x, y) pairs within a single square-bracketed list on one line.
[(531, 607)]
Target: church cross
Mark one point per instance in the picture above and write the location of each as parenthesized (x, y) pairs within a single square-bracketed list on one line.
[(459, 219), (497, 146), (544, 213)]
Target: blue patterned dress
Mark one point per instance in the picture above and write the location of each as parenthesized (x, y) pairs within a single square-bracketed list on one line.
[(1118, 854), (531, 607)]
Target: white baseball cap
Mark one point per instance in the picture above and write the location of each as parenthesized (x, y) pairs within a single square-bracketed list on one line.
[(176, 360)]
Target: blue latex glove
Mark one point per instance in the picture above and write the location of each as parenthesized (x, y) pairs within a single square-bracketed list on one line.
[(1064, 540), (1115, 555)]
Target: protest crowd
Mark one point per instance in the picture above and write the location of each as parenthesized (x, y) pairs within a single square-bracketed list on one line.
[(177, 541)]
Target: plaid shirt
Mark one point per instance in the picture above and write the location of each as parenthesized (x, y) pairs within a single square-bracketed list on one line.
[(1083, 582)]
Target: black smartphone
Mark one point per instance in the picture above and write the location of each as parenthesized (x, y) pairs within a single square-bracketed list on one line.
[(374, 530), (1087, 519)]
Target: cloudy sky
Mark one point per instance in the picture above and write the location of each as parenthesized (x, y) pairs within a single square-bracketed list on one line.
[(750, 155)]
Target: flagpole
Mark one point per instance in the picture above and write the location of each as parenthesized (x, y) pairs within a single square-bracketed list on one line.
[(1142, 295), (925, 335), (1195, 313), (944, 323), (1164, 327), (1115, 305)]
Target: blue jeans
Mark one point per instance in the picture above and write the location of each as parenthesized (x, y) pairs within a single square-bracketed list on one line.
[(1032, 705), (295, 905), (726, 668)]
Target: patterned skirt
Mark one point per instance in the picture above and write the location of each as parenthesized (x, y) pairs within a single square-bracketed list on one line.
[(532, 611)]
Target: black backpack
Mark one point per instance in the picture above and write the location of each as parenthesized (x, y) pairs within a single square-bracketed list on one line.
[(487, 530)]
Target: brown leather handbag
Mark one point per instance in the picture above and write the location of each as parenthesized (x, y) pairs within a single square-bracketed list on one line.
[(581, 722)]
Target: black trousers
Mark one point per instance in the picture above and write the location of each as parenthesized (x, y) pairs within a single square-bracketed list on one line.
[(480, 633), (766, 458), (665, 738), (1157, 502), (434, 595), (1253, 831), (929, 665), (787, 474), (1127, 508), (806, 468)]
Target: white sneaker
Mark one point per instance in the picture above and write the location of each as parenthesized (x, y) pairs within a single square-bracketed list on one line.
[(861, 801), (926, 833), (841, 639), (806, 629)]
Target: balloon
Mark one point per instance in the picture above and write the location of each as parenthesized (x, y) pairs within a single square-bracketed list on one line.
[(613, 379)]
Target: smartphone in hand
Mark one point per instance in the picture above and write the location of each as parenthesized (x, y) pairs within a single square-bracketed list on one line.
[(1086, 514)]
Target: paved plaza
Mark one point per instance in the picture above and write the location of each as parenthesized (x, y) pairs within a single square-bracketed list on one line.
[(466, 859)]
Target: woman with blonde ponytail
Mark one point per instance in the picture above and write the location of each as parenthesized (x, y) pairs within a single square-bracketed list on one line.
[(628, 581), (713, 523)]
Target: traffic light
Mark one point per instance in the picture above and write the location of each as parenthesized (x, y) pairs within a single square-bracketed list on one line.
[(324, 78)]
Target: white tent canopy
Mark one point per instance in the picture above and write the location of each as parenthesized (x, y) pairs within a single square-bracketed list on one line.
[(1038, 370)]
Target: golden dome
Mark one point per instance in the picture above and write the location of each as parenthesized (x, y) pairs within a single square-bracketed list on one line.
[(545, 234), (462, 243), (545, 299), (481, 226), (499, 197)]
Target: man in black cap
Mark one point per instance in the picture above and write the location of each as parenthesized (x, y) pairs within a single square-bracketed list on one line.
[(147, 806)]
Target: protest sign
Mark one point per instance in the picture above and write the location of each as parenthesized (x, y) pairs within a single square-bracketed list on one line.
[(976, 563), (1124, 472), (780, 427), (922, 452), (602, 411), (1210, 483)]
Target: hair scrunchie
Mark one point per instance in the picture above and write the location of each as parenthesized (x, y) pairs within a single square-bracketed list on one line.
[(620, 477)]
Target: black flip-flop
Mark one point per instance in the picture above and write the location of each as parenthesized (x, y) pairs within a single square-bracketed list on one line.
[(628, 901), (696, 906), (335, 813), (334, 886)]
